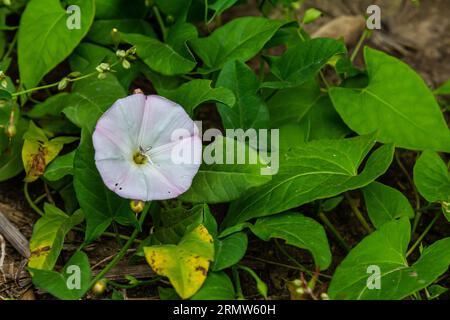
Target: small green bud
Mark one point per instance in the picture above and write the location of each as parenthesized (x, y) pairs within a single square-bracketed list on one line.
[(324, 296), (63, 84), (101, 76), (297, 283), (115, 35), (121, 53), (300, 291), (10, 130), (102, 67), (137, 206), (99, 287), (74, 74), (170, 19), (126, 64)]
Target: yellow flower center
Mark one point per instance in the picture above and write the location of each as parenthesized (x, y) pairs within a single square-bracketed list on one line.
[(140, 158)]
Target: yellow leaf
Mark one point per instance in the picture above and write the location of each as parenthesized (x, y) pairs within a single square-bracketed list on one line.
[(38, 151), (185, 264)]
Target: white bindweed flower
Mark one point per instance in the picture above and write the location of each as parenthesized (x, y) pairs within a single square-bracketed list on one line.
[(147, 148)]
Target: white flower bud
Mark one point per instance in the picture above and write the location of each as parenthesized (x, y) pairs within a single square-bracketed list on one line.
[(126, 64), (63, 84)]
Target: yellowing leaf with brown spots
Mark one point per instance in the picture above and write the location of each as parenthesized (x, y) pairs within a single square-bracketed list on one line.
[(48, 236), (185, 264), (38, 151)]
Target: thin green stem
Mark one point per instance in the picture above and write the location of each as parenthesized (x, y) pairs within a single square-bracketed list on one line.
[(30, 201), (237, 283), (324, 80), (363, 37), (131, 286), (122, 251), (358, 213), (52, 85), (11, 46), (160, 22), (424, 233), (291, 258), (282, 265), (418, 215), (334, 231)]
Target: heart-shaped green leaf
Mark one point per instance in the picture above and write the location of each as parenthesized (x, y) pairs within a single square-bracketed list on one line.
[(48, 34), (385, 204), (317, 170), (397, 103), (296, 230), (377, 268)]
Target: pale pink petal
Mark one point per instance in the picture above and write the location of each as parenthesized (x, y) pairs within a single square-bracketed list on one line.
[(124, 178), (178, 169), (160, 120), (124, 118), (164, 131)]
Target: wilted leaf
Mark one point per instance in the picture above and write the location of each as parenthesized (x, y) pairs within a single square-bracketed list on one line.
[(38, 151)]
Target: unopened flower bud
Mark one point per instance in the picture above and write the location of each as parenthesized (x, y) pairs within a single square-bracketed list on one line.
[(300, 291), (99, 287), (74, 74), (296, 5), (324, 296), (115, 35), (63, 84), (170, 19), (297, 283), (4, 83), (101, 76), (126, 64), (137, 206), (121, 53), (102, 67), (10, 130)]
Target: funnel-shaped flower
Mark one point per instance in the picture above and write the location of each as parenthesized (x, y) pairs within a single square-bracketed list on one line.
[(147, 148)]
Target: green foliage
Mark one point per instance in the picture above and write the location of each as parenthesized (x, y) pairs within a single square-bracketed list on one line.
[(240, 39), (317, 170), (386, 249), (299, 231), (71, 283), (333, 127), (432, 178), (385, 204), (48, 236), (42, 48), (396, 102)]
